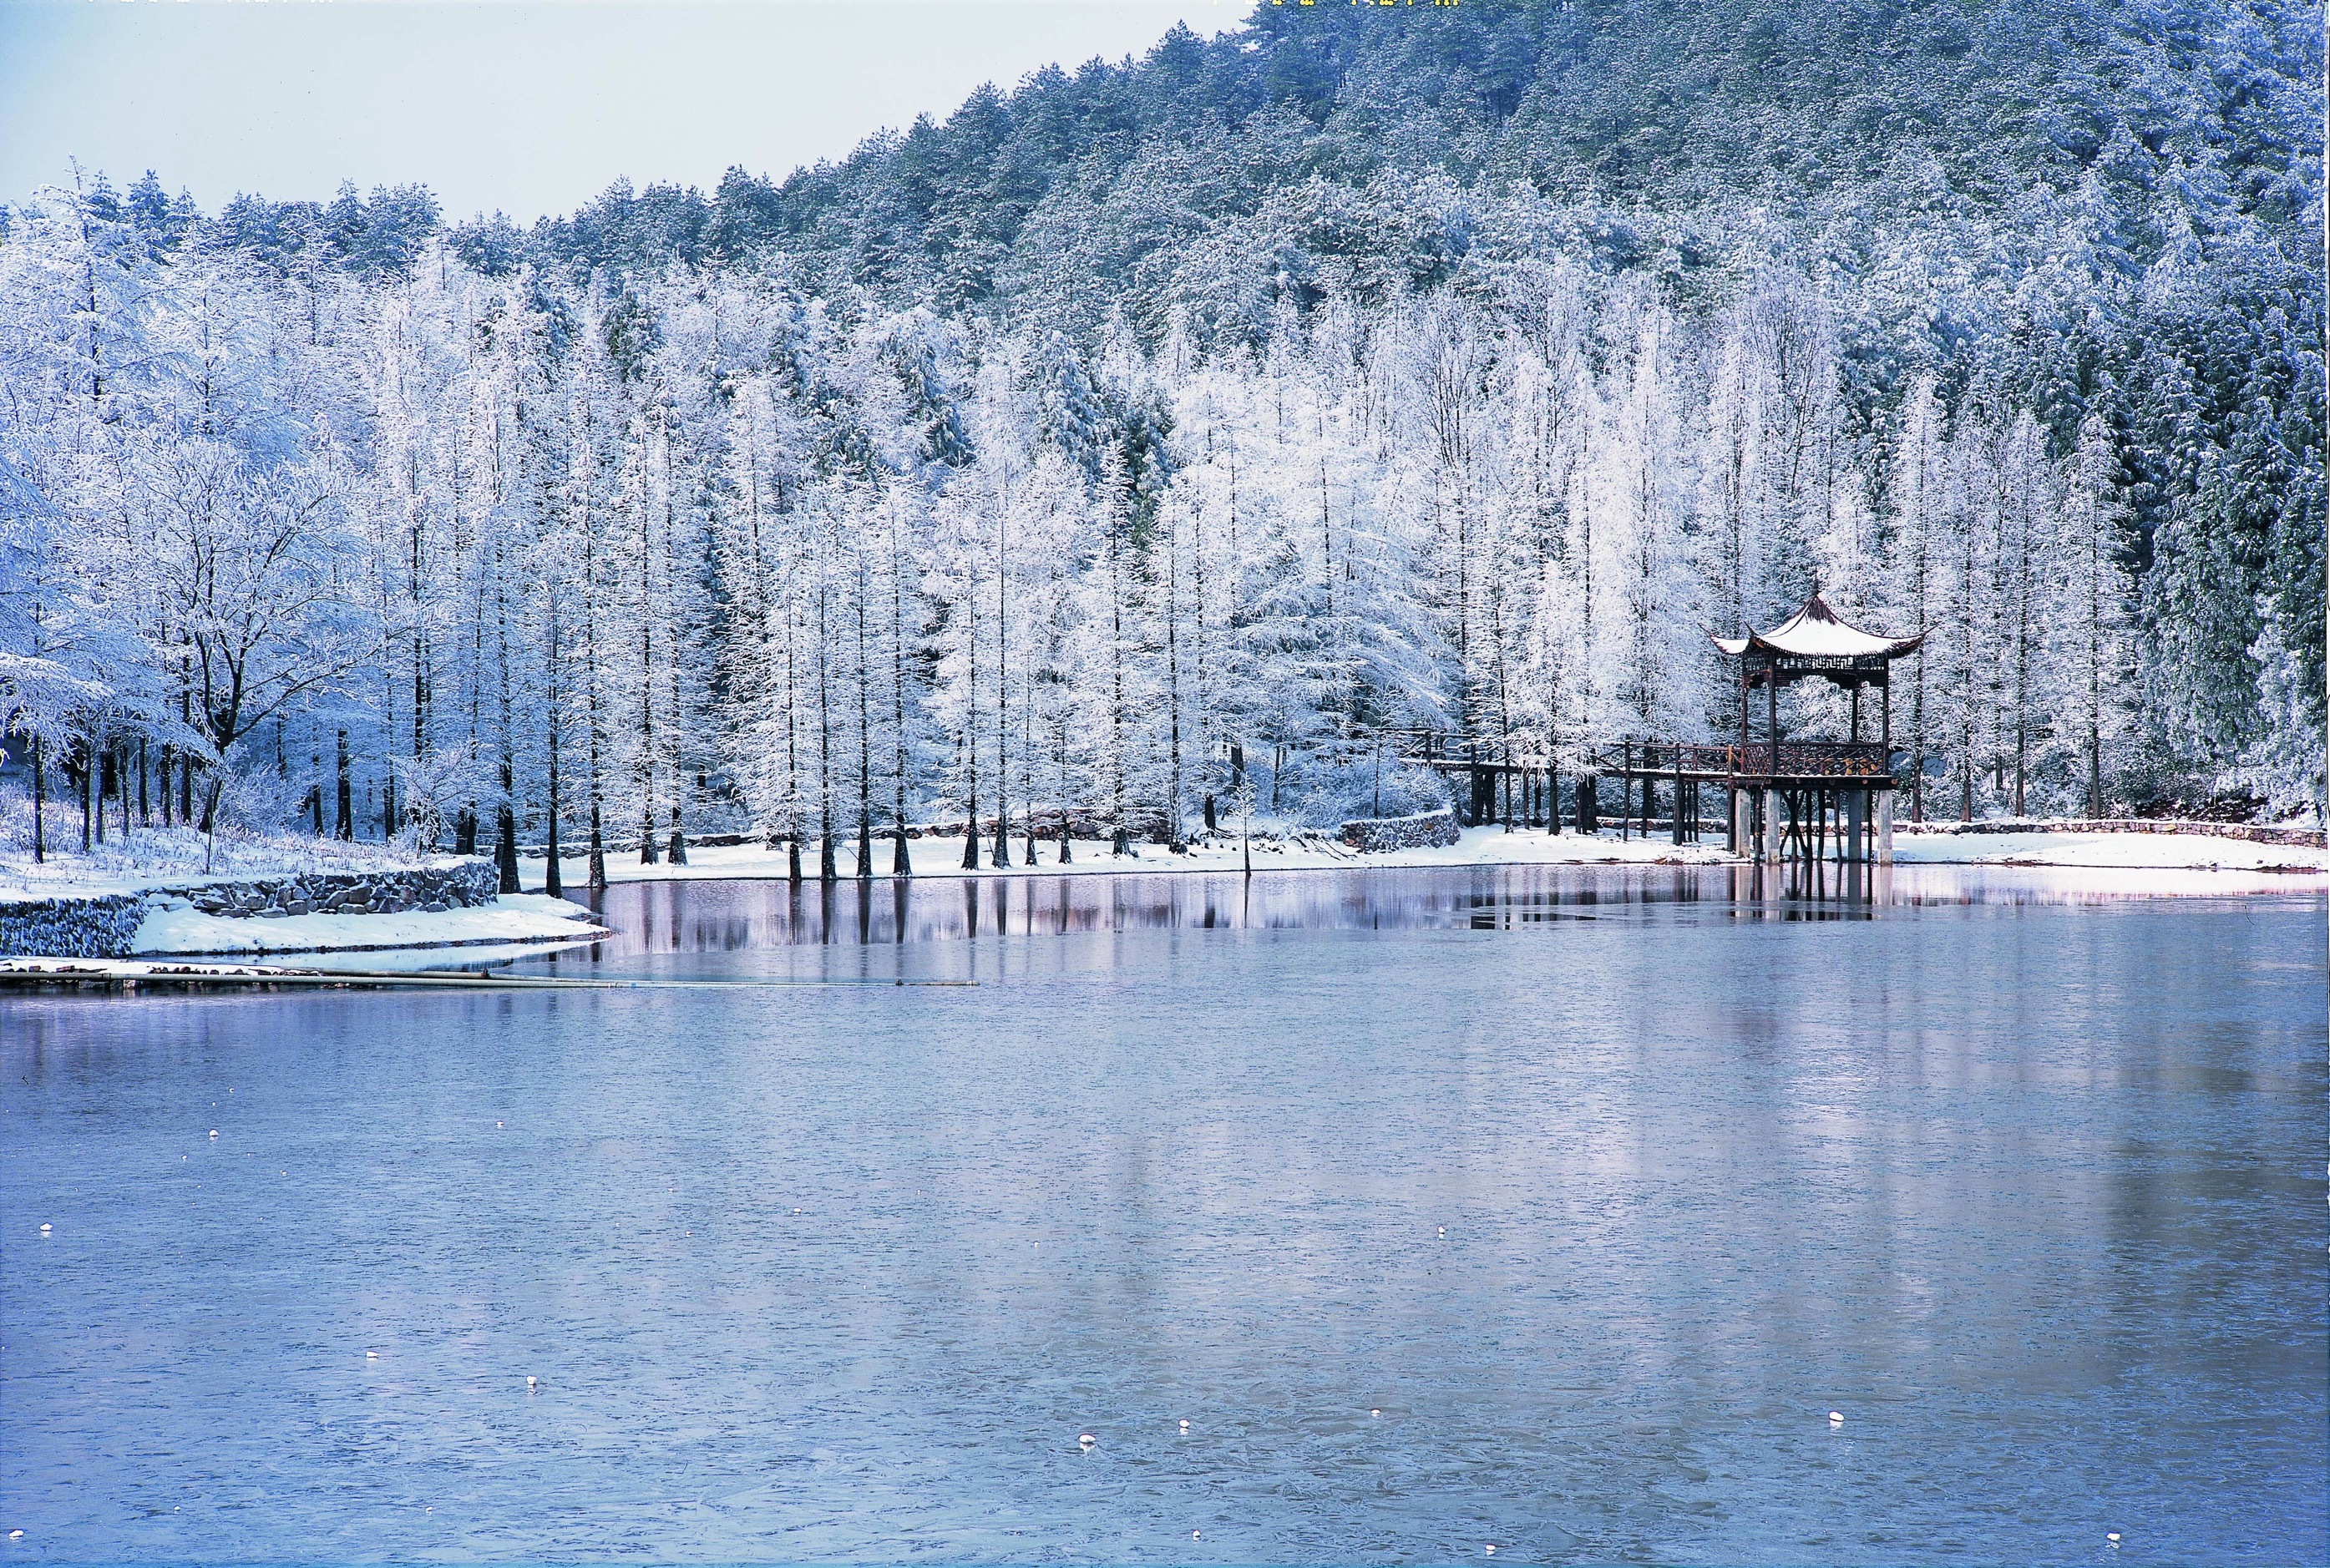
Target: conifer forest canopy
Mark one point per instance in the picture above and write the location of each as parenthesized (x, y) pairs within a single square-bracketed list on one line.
[(1278, 397)]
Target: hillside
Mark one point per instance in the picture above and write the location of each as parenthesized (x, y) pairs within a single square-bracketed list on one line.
[(1199, 425)]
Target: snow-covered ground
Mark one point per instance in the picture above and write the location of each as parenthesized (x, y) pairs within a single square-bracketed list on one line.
[(154, 857), (512, 919), (2162, 851), (1309, 852), (1477, 847)]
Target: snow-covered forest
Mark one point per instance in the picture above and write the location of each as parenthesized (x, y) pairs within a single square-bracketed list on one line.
[(1213, 425)]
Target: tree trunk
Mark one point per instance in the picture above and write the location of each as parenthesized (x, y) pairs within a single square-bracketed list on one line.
[(865, 738), (678, 853), (345, 827), (1173, 658), (901, 863), (41, 801), (552, 882), (506, 852)]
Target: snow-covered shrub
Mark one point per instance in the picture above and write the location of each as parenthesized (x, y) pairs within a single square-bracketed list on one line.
[(432, 789), (254, 796), (16, 821), (1319, 792)]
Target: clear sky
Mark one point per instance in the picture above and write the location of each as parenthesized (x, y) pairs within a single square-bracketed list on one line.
[(526, 108)]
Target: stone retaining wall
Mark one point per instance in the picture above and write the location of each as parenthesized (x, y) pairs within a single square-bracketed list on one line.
[(74, 928), (1425, 830), (103, 927)]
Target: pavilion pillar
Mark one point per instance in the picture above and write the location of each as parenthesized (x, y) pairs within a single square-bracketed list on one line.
[(1771, 855), (1885, 827), (1856, 825), (1772, 712)]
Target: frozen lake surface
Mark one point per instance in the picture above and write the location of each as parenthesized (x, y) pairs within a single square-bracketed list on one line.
[(1553, 1210)]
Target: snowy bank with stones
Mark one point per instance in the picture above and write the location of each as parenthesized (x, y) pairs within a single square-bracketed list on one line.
[(281, 895), (153, 858)]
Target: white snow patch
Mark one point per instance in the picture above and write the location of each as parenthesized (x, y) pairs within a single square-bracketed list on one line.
[(155, 858), (2134, 851), (528, 917)]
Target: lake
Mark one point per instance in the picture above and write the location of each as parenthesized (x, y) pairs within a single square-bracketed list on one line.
[(1548, 1210)]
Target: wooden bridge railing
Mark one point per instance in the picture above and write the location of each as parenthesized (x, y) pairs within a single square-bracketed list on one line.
[(1797, 758)]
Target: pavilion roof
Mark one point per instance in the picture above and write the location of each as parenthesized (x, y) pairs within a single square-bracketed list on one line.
[(1818, 632)]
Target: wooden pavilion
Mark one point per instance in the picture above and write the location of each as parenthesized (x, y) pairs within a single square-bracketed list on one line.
[(1791, 800), (1795, 790)]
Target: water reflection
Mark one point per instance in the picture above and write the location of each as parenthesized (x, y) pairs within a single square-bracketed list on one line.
[(1603, 1218), (721, 916)]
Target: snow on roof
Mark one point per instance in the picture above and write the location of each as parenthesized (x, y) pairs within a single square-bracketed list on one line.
[(1816, 631)]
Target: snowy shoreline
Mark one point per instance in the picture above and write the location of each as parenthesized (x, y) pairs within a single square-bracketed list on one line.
[(170, 891), (2165, 861), (2017, 844)]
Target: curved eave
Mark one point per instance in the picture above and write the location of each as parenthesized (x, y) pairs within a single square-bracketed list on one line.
[(1738, 647)]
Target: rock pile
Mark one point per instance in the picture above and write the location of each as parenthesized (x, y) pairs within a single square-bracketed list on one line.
[(1425, 830), (74, 928), (432, 888)]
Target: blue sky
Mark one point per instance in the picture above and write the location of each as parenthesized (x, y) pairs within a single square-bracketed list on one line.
[(526, 108)]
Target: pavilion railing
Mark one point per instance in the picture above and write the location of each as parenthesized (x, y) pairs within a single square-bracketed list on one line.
[(1797, 758)]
